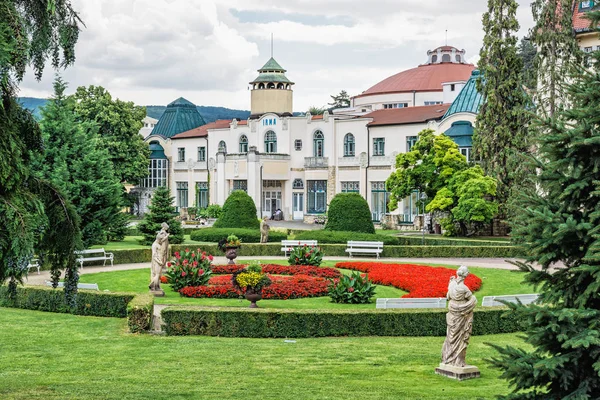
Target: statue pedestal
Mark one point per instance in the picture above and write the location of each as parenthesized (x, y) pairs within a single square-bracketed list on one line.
[(157, 293), (458, 373)]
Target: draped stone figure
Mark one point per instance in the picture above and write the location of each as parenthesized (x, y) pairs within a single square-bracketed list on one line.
[(160, 252), (264, 230), (459, 321)]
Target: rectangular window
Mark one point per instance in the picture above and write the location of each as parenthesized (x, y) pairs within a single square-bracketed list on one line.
[(379, 200), (182, 194), (181, 154), (350, 187), (298, 144), (587, 49), (395, 105), (378, 146), (465, 151), (157, 174), (432, 103), (317, 197), (202, 194), (452, 87), (586, 4), (202, 153), (410, 142), (239, 184)]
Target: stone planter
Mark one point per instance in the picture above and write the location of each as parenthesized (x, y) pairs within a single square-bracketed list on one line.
[(253, 296), (231, 254)]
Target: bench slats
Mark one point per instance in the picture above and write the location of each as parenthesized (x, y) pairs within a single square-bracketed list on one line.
[(88, 286), (361, 247), (492, 301), (96, 255), (438, 302)]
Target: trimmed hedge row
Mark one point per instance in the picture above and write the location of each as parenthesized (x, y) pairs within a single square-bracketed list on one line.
[(214, 235), (437, 241), (341, 237), (263, 323), (338, 250), (137, 308)]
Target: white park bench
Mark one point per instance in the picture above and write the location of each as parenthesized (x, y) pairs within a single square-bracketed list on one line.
[(434, 302), (35, 264), (89, 286), (289, 245), (364, 247), (94, 255), (493, 301)]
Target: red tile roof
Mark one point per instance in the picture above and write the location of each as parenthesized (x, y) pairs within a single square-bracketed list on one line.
[(407, 115), (320, 116), (580, 23), (424, 78), (202, 131)]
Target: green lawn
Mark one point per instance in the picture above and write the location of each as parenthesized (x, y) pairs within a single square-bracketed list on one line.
[(495, 282), (61, 356)]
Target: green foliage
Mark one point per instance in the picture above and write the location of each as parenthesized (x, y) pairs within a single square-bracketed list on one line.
[(501, 127), (161, 210), (214, 235), (441, 241), (341, 100), (118, 124), (559, 222), (306, 255), (88, 302), (265, 323), (314, 110), (76, 163), (189, 268), (139, 313), (239, 211), (527, 53), (212, 211), (349, 212), (250, 278), (352, 289), (339, 237)]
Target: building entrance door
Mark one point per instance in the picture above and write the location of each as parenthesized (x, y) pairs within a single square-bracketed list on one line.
[(298, 202)]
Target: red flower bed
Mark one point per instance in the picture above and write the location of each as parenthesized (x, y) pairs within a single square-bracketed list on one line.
[(417, 280), (321, 272), (282, 288)]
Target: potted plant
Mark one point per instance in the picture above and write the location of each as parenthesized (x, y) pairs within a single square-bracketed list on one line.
[(229, 246), (251, 281)]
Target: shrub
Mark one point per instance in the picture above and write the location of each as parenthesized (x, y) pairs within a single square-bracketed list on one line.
[(161, 210), (349, 212), (189, 268), (443, 241), (212, 211), (323, 236), (306, 255), (269, 323), (353, 289), (214, 235), (239, 211), (139, 313)]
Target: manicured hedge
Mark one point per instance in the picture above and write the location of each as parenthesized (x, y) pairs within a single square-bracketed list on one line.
[(440, 241), (139, 313), (349, 212), (239, 211), (89, 302), (213, 235), (264, 323), (340, 237)]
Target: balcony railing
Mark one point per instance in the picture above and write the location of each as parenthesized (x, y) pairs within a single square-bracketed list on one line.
[(348, 161), (316, 162)]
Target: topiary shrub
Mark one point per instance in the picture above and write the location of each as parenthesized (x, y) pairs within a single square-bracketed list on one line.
[(349, 212), (239, 211)]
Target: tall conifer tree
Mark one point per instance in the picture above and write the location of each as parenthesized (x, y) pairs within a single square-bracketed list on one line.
[(559, 222), (501, 127)]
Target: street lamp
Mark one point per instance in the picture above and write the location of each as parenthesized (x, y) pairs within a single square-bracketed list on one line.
[(423, 197)]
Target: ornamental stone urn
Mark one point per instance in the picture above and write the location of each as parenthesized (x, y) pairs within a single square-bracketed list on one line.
[(253, 296), (231, 254)]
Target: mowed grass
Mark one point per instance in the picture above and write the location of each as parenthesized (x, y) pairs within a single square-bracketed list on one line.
[(495, 282), (60, 356)]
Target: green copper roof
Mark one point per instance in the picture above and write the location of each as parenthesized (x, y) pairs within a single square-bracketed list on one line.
[(461, 132), (272, 78), (272, 65), (181, 115), (469, 100), (157, 151)]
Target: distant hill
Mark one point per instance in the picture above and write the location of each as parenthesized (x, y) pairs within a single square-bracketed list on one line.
[(209, 113)]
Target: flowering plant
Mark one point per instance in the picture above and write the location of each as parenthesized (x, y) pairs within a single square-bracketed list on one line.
[(251, 278), (229, 241), (306, 255), (189, 268), (353, 289)]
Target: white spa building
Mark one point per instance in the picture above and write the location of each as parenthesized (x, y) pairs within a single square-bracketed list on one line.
[(298, 163)]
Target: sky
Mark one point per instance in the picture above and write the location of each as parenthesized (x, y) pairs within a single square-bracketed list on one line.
[(152, 52)]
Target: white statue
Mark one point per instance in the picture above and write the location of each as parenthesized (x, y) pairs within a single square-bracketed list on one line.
[(160, 252), (264, 230)]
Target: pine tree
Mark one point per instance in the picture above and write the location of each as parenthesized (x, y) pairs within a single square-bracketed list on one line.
[(161, 210), (557, 51), (501, 127), (559, 222), (527, 53), (77, 163), (341, 100)]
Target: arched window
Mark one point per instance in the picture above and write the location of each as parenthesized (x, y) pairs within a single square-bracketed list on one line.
[(243, 144), (458, 58), (318, 143), (287, 86), (434, 59), (298, 184), (270, 142), (280, 86), (270, 85), (261, 85), (349, 145), (222, 147), (446, 58)]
